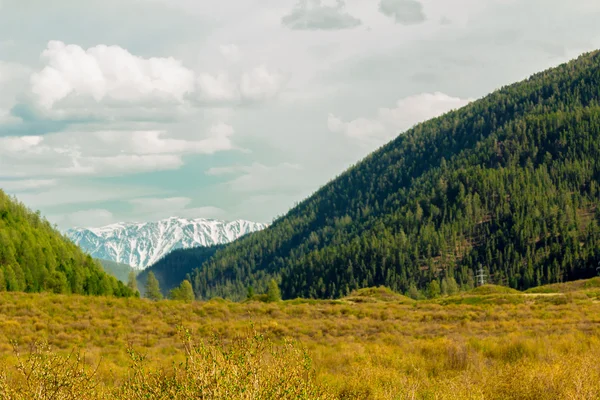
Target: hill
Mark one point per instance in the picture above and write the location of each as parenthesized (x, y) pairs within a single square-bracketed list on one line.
[(118, 270), (508, 183), (35, 257), (568, 287), (176, 266)]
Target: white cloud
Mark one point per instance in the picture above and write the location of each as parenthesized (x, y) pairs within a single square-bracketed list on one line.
[(217, 88), (389, 122), (84, 218), (230, 52), (13, 81), (123, 164), (11, 144), (105, 153), (32, 156), (261, 178), (26, 184), (155, 208), (108, 72), (255, 85), (261, 84), (82, 192), (106, 81), (156, 142)]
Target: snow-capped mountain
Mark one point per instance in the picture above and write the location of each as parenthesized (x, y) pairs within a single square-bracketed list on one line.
[(142, 244)]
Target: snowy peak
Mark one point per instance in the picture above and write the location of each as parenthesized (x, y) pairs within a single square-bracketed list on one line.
[(142, 244)]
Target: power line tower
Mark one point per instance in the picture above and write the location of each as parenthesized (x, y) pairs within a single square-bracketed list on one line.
[(480, 276)]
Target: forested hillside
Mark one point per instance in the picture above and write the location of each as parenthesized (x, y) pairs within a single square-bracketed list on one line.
[(34, 257), (176, 266), (508, 183), (118, 270)]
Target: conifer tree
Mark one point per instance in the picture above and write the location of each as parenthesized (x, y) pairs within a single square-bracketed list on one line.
[(153, 288), (273, 293), (132, 281), (184, 292), (433, 290)]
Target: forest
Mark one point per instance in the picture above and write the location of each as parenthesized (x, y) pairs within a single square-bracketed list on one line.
[(36, 257), (176, 267), (505, 188)]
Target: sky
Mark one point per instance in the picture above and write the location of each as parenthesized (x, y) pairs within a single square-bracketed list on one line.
[(138, 110)]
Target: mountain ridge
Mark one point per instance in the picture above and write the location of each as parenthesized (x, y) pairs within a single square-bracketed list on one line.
[(141, 244), (508, 184)]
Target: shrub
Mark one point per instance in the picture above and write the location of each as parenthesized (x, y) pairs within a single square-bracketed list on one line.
[(250, 367)]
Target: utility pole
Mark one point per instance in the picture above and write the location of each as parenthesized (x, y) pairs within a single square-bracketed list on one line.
[(480, 276)]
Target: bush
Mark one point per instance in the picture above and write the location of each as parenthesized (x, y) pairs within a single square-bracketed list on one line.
[(250, 367)]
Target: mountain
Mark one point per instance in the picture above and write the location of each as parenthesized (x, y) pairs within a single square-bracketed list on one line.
[(142, 244), (506, 188), (176, 266), (118, 270), (35, 257)]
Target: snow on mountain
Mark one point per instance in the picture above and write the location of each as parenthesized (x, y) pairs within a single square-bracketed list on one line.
[(142, 244)]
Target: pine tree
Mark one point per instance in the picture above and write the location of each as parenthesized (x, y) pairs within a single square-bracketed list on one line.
[(184, 292), (132, 281), (433, 290), (153, 288), (273, 293)]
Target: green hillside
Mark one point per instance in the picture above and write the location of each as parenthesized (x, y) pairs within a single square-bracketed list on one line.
[(509, 183), (176, 266), (118, 270), (35, 257)]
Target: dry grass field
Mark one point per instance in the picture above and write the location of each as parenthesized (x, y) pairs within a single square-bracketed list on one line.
[(491, 343)]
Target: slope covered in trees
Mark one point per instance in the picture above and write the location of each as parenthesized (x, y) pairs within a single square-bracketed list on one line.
[(176, 266), (35, 257), (118, 270), (508, 184)]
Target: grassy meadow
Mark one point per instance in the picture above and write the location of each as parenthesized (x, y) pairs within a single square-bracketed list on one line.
[(491, 343)]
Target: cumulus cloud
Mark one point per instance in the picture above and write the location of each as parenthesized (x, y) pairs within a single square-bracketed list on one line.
[(391, 121), (217, 88), (108, 72), (314, 15), (109, 83), (13, 81), (404, 12)]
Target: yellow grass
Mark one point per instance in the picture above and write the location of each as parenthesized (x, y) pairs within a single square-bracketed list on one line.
[(373, 345)]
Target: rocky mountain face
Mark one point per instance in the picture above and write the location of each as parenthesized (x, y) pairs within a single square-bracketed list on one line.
[(142, 244)]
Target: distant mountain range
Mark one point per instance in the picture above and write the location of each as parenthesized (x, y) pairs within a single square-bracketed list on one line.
[(143, 244)]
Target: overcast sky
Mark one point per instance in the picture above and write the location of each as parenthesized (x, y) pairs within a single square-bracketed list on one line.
[(134, 110)]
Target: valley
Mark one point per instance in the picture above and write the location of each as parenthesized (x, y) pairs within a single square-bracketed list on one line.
[(421, 244), (374, 344)]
